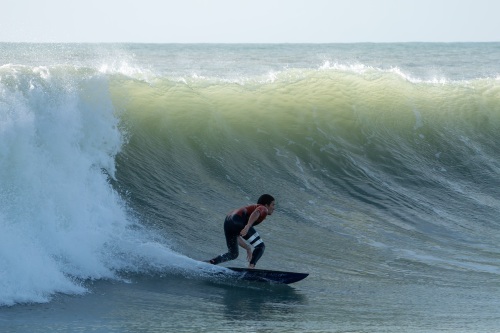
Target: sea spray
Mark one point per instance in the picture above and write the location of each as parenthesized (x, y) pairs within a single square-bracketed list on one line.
[(61, 220)]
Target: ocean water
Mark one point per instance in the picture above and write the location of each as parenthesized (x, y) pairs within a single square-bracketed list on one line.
[(119, 162)]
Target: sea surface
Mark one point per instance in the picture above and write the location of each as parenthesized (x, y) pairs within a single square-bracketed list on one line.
[(118, 163)]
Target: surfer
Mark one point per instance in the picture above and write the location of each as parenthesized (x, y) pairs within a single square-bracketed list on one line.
[(239, 229)]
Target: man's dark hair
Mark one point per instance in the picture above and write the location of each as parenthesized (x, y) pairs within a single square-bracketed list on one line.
[(265, 199)]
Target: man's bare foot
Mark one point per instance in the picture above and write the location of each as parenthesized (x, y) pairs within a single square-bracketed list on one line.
[(211, 261), (251, 266)]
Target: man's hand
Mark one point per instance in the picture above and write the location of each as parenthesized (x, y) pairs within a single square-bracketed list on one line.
[(244, 231)]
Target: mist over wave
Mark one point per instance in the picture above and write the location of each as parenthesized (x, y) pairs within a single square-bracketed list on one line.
[(61, 220)]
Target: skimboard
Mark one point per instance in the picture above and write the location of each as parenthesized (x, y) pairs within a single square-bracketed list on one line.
[(263, 275)]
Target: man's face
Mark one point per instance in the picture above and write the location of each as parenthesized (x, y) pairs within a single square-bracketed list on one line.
[(270, 208)]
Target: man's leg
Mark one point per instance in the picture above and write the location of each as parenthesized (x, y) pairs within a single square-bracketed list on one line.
[(255, 240), (231, 231)]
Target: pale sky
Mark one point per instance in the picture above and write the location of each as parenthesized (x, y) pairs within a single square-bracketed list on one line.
[(249, 21)]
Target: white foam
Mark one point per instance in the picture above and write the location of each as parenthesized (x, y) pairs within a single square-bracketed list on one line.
[(60, 219)]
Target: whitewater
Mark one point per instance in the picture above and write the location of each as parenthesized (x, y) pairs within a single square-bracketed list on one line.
[(119, 162)]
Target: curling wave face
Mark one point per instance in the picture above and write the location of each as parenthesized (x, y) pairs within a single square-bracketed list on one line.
[(107, 163)]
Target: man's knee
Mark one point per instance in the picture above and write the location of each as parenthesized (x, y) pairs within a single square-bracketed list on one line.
[(260, 246), (233, 255), (258, 251)]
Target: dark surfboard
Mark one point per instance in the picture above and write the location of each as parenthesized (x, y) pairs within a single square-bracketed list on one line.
[(263, 275)]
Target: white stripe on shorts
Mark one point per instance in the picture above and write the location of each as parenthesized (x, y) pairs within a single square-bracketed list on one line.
[(259, 241), (254, 236)]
